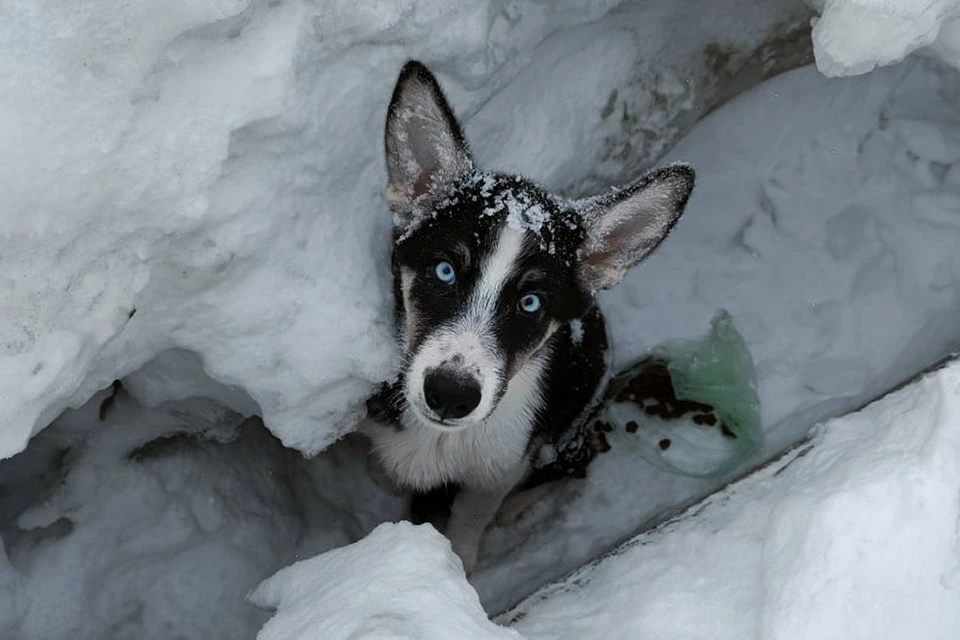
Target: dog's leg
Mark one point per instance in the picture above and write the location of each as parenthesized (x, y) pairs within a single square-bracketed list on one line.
[(473, 509), (515, 504)]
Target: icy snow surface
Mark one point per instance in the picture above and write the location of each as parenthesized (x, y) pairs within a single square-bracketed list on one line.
[(854, 36), (208, 176)]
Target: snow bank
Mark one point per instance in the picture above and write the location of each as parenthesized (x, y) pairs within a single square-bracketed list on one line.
[(156, 523), (855, 36), (853, 535), (401, 581), (122, 542), (207, 176), (825, 220)]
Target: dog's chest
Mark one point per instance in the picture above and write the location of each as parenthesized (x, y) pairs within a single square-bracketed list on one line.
[(419, 457)]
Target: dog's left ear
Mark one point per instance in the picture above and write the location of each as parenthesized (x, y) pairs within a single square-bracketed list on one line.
[(626, 225), (425, 146)]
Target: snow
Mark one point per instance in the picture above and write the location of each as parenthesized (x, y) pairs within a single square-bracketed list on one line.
[(401, 581), (143, 527), (855, 36), (208, 176), (156, 523), (851, 535), (193, 202)]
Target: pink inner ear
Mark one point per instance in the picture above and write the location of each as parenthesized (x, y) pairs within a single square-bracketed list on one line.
[(615, 249), (422, 184)]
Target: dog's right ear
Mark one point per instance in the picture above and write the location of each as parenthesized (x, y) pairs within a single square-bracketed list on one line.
[(425, 146)]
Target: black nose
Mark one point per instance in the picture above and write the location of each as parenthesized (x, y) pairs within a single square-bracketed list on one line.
[(451, 396)]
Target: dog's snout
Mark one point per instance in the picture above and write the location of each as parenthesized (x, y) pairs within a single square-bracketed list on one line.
[(451, 395)]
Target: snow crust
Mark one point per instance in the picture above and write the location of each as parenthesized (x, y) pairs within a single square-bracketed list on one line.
[(855, 36), (208, 176), (853, 535), (401, 581)]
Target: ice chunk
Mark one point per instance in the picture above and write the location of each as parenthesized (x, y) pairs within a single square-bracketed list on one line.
[(855, 36), (401, 581)]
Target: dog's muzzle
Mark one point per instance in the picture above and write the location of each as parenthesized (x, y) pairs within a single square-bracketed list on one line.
[(452, 395)]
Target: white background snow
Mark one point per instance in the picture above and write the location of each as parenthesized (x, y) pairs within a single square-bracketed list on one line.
[(855, 36), (192, 200)]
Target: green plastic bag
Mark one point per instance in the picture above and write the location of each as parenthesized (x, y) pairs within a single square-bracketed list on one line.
[(691, 407)]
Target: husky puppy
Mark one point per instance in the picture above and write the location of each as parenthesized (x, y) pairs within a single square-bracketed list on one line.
[(494, 280)]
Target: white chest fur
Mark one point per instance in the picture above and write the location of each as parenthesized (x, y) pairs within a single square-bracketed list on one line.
[(486, 454)]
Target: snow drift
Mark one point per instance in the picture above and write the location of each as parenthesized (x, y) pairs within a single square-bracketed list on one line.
[(401, 581), (207, 176)]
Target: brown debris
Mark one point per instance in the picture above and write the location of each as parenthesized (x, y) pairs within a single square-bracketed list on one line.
[(707, 419), (601, 444), (652, 389), (600, 426)]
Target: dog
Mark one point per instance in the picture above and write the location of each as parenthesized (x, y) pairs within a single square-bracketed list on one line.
[(504, 346)]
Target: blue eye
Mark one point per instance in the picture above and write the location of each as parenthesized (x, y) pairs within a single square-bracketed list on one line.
[(530, 303), (445, 273)]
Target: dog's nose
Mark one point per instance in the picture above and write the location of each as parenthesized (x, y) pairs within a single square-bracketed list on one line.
[(451, 396)]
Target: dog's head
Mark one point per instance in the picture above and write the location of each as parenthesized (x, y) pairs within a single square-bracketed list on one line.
[(487, 266)]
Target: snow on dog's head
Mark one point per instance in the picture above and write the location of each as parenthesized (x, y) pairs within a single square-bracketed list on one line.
[(488, 266)]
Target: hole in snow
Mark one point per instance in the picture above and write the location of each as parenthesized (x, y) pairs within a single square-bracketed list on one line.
[(165, 517)]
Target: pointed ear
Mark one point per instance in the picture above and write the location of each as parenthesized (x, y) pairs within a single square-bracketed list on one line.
[(625, 226), (425, 145)]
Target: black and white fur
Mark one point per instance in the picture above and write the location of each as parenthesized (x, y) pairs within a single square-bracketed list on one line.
[(488, 378)]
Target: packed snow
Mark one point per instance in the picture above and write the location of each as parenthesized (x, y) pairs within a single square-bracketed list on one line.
[(194, 203), (401, 581), (855, 36)]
